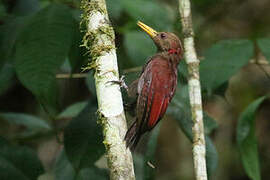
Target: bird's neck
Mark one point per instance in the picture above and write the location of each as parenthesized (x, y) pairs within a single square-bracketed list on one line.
[(173, 55)]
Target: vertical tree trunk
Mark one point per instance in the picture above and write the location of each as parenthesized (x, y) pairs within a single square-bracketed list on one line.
[(194, 92), (99, 41)]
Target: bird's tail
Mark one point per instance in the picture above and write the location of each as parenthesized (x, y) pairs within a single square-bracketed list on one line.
[(132, 136)]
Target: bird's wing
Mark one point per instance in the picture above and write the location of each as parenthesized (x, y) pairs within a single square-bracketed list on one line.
[(155, 88)]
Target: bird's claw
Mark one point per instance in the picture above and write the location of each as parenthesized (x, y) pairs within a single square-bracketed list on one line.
[(121, 82)]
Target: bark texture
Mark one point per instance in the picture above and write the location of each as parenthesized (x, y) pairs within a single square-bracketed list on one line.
[(99, 41), (199, 150)]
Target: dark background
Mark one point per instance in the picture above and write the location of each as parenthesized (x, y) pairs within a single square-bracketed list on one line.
[(48, 123)]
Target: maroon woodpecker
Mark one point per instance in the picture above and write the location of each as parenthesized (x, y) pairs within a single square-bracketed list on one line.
[(156, 84)]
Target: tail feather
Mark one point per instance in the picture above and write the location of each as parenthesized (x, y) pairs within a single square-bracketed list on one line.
[(132, 136)]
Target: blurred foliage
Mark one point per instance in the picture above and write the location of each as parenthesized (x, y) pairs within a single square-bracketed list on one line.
[(180, 110), (18, 162), (264, 45), (247, 141), (73, 110), (35, 66), (33, 125), (222, 61), (81, 150), (149, 156), (40, 39), (138, 54)]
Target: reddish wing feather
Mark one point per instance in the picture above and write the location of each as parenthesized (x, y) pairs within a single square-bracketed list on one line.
[(156, 88), (157, 82), (158, 112), (158, 101)]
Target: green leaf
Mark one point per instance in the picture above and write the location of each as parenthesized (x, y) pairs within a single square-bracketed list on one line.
[(25, 7), (209, 123), (246, 140), (222, 61), (8, 35), (183, 69), (90, 82), (114, 9), (32, 124), (18, 162), (211, 156), (264, 45), (139, 47), (76, 54), (150, 12), (138, 160), (93, 173), (83, 139), (3, 11), (7, 73), (46, 176), (180, 110), (72, 110), (41, 49), (9, 171), (63, 169)]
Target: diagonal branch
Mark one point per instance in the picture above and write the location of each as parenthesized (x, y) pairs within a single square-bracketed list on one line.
[(99, 41), (194, 91)]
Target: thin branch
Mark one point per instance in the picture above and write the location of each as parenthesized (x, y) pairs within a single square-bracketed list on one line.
[(194, 91), (73, 76), (131, 70), (99, 41)]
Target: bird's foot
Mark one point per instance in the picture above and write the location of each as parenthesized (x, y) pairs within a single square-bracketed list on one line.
[(121, 82)]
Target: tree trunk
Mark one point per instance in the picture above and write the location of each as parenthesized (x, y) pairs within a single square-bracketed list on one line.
[(99, 41)]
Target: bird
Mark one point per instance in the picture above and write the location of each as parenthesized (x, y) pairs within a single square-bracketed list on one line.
[(156, 85)]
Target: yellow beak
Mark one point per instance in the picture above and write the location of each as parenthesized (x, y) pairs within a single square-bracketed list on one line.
[(151, 32)]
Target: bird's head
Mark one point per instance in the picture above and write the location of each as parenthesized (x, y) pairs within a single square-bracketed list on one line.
[(165, 41)]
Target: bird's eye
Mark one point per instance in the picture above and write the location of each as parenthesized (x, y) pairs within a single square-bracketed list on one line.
[(162, 35)]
